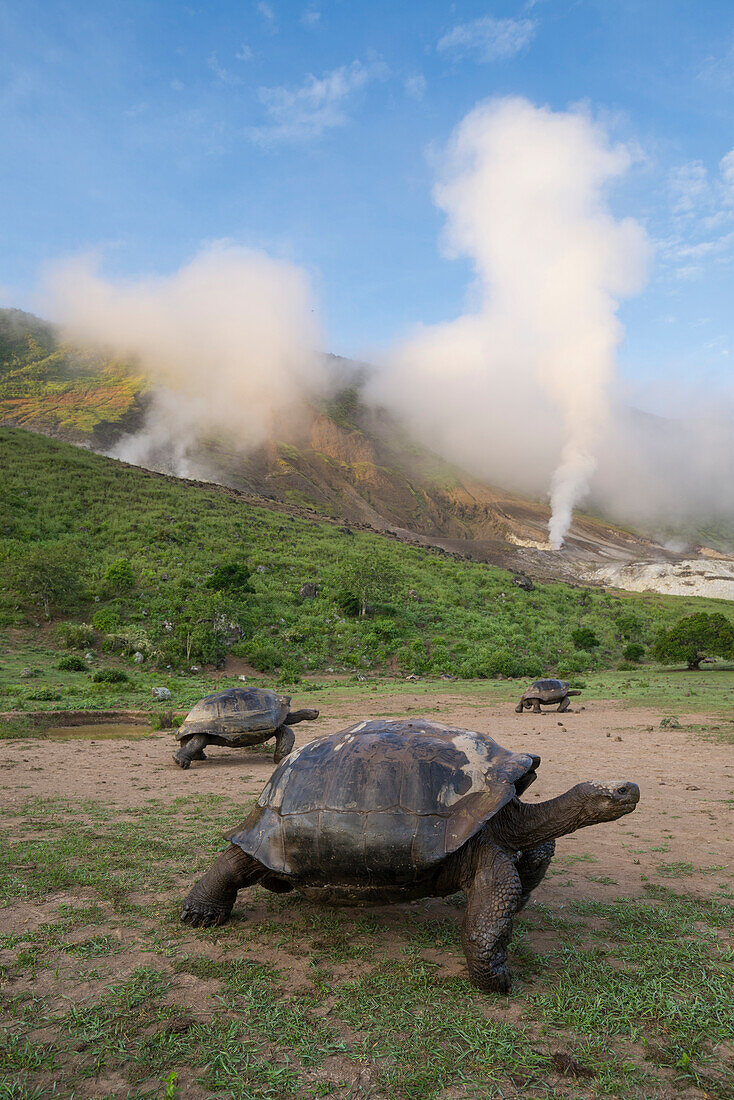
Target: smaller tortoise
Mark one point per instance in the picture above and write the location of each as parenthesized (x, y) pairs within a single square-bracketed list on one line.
[(239, 717), (545, 693)]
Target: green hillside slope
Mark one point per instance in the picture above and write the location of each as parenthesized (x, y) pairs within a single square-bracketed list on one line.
[(134, 554)]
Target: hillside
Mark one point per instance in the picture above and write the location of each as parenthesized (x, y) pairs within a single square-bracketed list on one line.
[(134, 554), (350, 462)]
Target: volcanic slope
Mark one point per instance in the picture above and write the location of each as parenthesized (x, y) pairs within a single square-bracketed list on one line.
[(141, 548), (349, 461)]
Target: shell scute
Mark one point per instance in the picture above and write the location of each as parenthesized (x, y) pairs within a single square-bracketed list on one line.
[(384, 801)]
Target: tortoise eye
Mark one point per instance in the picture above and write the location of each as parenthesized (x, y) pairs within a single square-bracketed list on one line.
[(622, 790)]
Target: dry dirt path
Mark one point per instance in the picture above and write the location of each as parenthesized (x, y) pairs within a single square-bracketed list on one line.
[(683, 827)]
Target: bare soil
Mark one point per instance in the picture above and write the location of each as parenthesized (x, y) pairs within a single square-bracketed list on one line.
[(684, 816)]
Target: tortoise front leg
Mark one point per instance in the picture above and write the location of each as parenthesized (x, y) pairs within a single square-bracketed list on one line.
[(493, 899), (193, 749), (536, 706), (212, 898), (285, 739), (564, 704), (531, 867)]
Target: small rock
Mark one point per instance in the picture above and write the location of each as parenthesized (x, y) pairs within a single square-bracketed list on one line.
[(692, 787), (308, 591), (89, 656), (524, 582), (617, 738), (261, 569), (160, 693), (26, 673), (195, 668), (243, 678), (138, 658), (609, 735)]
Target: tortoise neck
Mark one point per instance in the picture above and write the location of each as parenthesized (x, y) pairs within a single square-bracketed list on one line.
[(520, 825)]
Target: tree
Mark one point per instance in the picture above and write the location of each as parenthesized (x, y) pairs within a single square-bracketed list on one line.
[(45, 574), (693, 638), (367, 578)]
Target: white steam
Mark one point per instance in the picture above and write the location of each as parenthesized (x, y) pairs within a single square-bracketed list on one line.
[(229, 343), (521, 385)]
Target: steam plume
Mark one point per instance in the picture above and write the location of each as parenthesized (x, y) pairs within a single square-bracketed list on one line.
[(228, 342), (520, 385)]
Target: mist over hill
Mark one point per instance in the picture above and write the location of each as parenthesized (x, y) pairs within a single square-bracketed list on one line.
[(342, 457)]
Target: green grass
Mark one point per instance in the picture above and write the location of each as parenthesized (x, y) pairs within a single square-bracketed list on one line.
[(289, 1000), (469, 619)]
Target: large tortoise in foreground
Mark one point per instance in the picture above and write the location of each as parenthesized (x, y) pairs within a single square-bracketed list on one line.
[(387, 811), (545, 693), (239, 717)]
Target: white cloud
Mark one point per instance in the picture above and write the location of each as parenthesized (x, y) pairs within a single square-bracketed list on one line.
[(702, 209), (415, 86), (319, 104), (267, 14), (489, 39), (244, 53), (311, 17), (222, 74)]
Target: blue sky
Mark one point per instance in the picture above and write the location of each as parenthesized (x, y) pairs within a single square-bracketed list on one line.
[(311, 128)]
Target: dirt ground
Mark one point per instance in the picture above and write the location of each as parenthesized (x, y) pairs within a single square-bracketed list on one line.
[(685, 814)]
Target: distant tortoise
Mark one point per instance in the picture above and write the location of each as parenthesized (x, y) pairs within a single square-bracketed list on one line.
[(239, 717), (545, 693), (387, 811)]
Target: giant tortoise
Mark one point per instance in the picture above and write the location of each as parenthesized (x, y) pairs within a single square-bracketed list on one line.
[(238, 717), (546, 693), (388, 811)]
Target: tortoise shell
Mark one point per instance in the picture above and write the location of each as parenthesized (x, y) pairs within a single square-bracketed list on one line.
[(383, 801), (547, 691), (235, 714)]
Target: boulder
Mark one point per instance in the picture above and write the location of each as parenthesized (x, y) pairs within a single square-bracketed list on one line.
[(308, 591), (160, 693)]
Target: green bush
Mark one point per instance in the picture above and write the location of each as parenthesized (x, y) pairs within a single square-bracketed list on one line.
[(348, 603), (72, 663), (110, 676), (76, 635), (119, 578), (105, 620), (232, 576), (289, 673), (633, 651), (262, 654), (584, 638)]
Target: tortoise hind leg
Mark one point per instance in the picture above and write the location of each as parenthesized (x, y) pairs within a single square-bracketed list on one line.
[(212, 898), (285, 739), (493, 899), (193, 749)]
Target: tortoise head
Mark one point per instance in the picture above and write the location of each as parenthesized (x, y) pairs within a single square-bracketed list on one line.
[(606, 801)]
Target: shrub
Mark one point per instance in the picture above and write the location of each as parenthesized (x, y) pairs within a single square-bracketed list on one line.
[(46, 695), (119, 577), (262, 654), (105, 620), (290, 673), (633, 651), (110, 676), (72, 663), (348, 603), (584, 638), (232, 576), (76, 635)]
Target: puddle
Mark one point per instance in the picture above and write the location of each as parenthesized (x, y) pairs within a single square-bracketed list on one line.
[(101, 731)]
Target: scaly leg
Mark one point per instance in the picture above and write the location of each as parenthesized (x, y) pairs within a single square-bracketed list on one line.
[(212, 898), (564, 704), (193, 749), (531, 867), (536, 707), (492, 901), (285, 739)]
